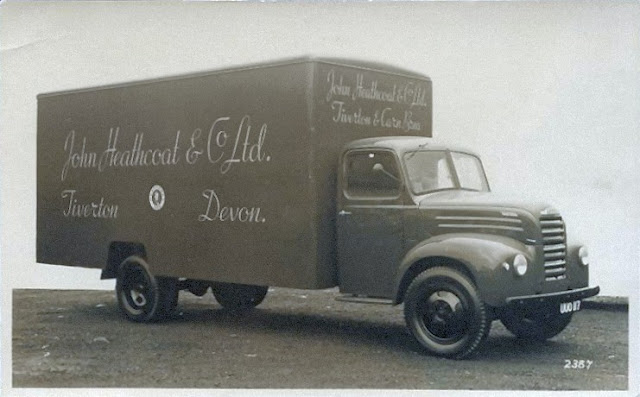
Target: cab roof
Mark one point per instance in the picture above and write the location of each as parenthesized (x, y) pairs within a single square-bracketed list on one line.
[(403, 144)]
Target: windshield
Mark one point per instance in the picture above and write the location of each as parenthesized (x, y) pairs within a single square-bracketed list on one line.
[(470, 172), (431, 171)]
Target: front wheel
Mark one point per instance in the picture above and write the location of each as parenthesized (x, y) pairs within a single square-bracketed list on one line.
[(534, 326), (239, 297), (444, 312)]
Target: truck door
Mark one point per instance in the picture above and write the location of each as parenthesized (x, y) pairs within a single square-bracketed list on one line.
[(369, 222)]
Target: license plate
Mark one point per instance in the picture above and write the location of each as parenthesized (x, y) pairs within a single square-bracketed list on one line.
[(569, 307)]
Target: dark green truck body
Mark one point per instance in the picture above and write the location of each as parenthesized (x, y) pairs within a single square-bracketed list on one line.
[(306, 174), (295, 118)]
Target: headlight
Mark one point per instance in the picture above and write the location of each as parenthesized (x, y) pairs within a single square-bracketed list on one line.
[(583, 254), (520, 264)]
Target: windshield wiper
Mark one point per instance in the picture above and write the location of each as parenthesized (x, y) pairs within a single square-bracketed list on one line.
[(420, 147)]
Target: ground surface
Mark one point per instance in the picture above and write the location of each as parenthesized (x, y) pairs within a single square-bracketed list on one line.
[(295, 339)]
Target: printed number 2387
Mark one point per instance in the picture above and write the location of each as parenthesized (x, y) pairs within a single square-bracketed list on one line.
[(577, 364)]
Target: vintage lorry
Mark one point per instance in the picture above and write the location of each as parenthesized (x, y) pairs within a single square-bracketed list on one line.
[(307, 173)]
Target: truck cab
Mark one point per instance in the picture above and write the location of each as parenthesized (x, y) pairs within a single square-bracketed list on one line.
[(417, 223)]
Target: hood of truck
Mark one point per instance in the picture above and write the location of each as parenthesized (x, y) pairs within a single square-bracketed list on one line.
[(462, 211), (464, 199)]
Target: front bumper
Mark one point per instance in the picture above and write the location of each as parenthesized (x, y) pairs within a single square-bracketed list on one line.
[(553, 298)]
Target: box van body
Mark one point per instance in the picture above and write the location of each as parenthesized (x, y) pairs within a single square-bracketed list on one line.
[(246, 160)]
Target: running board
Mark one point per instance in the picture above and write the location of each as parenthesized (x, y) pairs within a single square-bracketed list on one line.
[(364, 299)]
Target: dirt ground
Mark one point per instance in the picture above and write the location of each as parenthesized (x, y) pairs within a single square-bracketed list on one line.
[(295, 339)]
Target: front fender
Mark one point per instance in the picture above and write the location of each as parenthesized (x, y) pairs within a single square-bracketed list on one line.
[(481, 255)]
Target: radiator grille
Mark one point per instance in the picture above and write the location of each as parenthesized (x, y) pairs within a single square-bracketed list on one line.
[(554, 246)]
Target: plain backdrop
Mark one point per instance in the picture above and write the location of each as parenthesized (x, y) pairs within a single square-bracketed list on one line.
[(547, 93)]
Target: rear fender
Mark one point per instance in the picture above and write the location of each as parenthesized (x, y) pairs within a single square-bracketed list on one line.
[(118, 252)]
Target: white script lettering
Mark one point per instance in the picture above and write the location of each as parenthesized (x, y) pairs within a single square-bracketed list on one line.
[(342, 115), (336, 88), (87, 210), (247, 151), (82, 159), (113, 156), (217, 212)]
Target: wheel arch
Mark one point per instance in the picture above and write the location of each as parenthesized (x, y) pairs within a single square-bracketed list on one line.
[(476, 256), (118, 252), (426, 263)]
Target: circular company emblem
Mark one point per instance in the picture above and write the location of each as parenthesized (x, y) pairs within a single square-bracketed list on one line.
[(156, 197)]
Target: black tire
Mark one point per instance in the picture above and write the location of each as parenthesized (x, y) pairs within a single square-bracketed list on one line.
[(534, 326), (239, 297), (445, 314), (141, 296)]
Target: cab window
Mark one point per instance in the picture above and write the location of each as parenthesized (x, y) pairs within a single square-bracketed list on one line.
[(371, 174)]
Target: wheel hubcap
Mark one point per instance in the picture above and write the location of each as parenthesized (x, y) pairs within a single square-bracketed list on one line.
[(137, 296), (444, 316), (136, 290)]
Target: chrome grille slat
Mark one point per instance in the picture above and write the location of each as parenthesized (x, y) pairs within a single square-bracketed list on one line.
[(559, 230), (554, 247), (559, 262), (553, 255), (554, 272)]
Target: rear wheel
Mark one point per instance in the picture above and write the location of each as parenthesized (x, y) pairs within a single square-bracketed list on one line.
[(534, 326), (445, 314), (239, 297), (141, 296)]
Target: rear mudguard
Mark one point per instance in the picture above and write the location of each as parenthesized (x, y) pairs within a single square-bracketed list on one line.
[(481, 256)]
